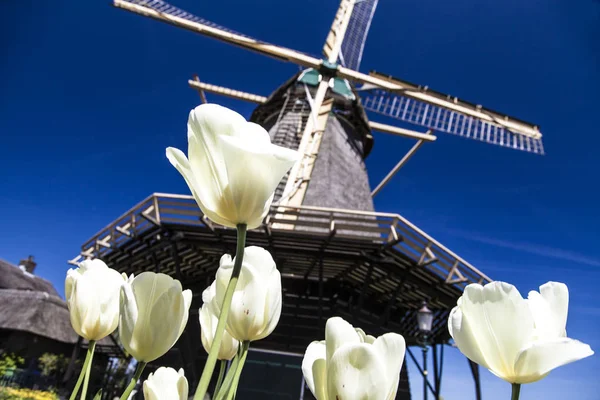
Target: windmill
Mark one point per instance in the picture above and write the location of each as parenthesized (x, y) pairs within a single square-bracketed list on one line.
[(337, 256), (337, 73)]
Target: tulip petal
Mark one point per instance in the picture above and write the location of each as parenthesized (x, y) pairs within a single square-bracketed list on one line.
[(205, 202), (246, 320), (260, 259), (356, 372), (128, 316), (88, 307), (461, 331), (391, 348), (166, 383), (314, 352), (273, 304), (265, 163), (256, 303), (182, 386), (150, 390), (69, 282), (319, 372), (187, 302), (205, 124), (208, 325), (158, 338), (337, 333), (500, 321), (158, 296), (537, 360), (556, 295)]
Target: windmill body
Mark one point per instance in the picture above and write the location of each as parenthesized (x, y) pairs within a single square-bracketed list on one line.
[(336, 254), (339, 177)]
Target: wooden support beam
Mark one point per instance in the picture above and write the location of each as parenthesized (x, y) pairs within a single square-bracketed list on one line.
[(407, 133), (235, 94), (200, 90), (394, 170)]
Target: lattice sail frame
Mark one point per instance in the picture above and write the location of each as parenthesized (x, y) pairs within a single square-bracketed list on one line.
[(442, 119), (356, 34)]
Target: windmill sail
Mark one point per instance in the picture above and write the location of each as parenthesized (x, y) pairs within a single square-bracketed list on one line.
[(163, 11), (355, 34), (442, 113), (165, 8)]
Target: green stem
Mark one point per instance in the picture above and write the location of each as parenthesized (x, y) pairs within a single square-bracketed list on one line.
[(228, 379), (221, 375), (216, 344), (238, 371), (516, 390), (138, 372), (88, 359)]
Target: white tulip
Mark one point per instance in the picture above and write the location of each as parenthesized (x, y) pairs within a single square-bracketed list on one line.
[(92, 293), (518, 340), (351, 365), (154, 312), (209, 318), (166, 384), (233, 168), (256, 304)]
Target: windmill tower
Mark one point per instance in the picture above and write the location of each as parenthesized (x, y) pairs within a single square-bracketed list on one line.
[(337, 256)]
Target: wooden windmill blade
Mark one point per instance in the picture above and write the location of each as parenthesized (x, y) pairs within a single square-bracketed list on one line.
[(165, 12), (422, 106)]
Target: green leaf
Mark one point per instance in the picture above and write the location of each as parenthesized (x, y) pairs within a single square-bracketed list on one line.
[(98, 395)]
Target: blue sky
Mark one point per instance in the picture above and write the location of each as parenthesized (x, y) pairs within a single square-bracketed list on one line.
[(90, 96)]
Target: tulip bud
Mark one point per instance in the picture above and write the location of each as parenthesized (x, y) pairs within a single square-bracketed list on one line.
[(349, 364), (92, 293), (518, 340), (209, 318), (166, 384), (233, 168), (256, 305), (154, 312)]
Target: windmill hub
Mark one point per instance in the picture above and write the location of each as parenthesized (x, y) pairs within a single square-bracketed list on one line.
[(329, 69), (337, 85)]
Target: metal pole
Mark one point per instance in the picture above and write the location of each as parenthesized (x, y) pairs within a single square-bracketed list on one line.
[(475, 373), (425, 371), (302, 389), (436, 374)]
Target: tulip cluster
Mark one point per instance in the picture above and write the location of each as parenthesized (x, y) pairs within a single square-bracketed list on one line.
[(232, 170), (151, 311)]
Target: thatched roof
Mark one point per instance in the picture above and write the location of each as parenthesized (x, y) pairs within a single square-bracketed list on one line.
[(29, 303), (12, 277), (36, 312)]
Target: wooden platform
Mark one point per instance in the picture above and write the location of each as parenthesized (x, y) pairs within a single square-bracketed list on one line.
[(373, 269)]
